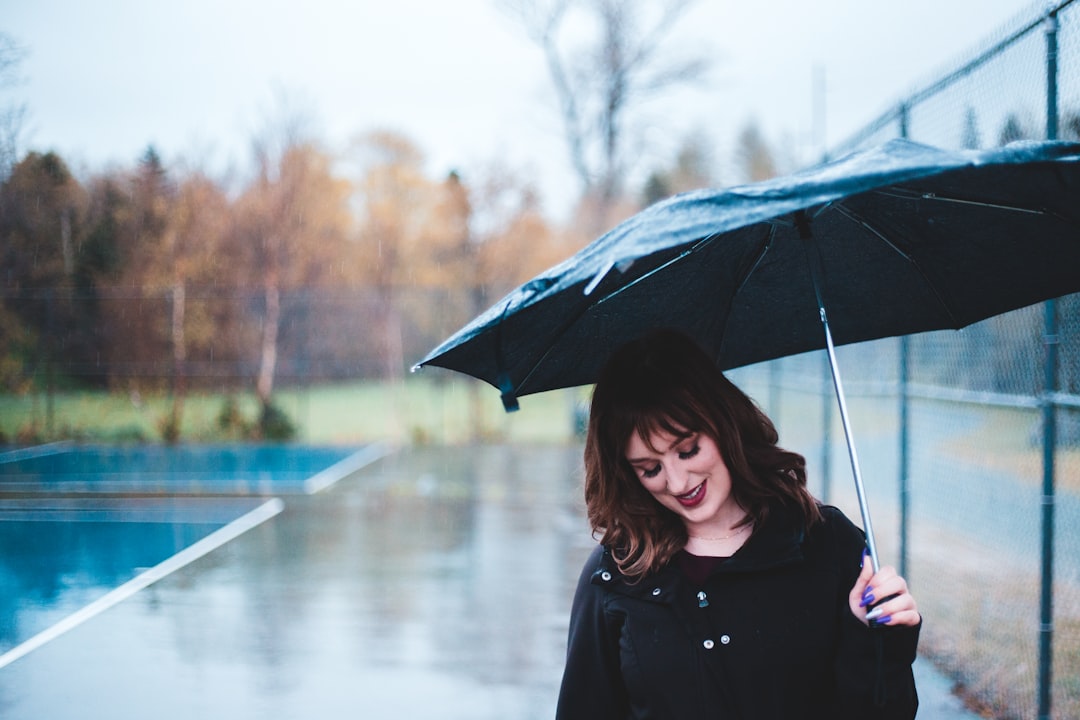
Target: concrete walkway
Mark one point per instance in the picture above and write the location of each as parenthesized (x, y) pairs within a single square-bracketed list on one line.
[(936, 700)]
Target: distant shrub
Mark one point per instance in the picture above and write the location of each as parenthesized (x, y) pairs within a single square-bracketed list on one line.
[(130, 434), (274, 424), (231, 421), (169, 427)]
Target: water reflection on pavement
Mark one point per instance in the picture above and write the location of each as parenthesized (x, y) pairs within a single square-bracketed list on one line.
[(435, 583)]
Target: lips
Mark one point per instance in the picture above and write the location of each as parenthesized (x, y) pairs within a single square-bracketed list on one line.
[(694, 497)]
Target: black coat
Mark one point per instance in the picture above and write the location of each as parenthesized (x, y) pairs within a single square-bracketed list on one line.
[(768, 635)]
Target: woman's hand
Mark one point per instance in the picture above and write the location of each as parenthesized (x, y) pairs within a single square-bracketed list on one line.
[(871, 588)]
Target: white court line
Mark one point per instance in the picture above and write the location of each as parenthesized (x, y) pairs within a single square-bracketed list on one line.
[(53, 448), (214, 540), (322, 480)]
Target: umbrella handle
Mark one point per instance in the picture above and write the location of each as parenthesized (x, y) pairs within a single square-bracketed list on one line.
[(814, 261)]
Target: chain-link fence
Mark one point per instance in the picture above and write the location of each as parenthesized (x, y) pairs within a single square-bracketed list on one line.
[(114, 364), (970, 441), (128, 337)]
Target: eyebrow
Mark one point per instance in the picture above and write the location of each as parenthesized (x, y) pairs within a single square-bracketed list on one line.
[(640, 461), (678, 441)]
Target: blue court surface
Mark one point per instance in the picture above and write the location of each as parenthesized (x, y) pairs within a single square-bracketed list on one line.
[(151, 469), (84, 527)]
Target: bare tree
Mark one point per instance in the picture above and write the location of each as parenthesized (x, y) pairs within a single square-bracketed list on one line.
[(1012, 130), (395, 201), (600, 84), (291, 216), (753, 155), (1070, 125), (198, 221), (692, 169), (493, 237), (970, 139), (13, 114)]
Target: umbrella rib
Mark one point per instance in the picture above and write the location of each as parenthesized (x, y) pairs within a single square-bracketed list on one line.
[(856, 218), (763, 249), (586, 305), (688, 251), (917, 195), (598, 277), (860, 220)]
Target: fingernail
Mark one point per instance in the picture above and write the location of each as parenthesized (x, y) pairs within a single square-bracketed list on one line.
[(867, 598), (884, 620), (875, 613)]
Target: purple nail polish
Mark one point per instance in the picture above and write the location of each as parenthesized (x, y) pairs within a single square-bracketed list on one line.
[(884, 620), (867, 598)]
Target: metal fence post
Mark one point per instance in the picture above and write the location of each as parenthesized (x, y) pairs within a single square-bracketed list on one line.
[(1049, 419)]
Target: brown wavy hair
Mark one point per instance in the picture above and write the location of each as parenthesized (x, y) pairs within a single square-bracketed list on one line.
[(665, 382)]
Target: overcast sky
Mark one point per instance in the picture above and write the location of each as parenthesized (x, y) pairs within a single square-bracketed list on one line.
[(104, 79)]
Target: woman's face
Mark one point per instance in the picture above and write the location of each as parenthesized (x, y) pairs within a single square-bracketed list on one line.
[(688, 476)]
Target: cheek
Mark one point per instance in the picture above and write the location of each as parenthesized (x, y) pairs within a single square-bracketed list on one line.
[(651, 485), (709, 456), (654, 486)]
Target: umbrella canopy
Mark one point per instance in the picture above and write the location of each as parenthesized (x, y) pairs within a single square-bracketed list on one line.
[(903, 238)]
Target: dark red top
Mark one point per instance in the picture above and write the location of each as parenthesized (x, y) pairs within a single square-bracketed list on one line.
[(697, 567)]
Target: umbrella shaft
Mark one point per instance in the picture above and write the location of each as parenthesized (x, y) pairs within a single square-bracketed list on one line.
[(813, 260), (864, 508)]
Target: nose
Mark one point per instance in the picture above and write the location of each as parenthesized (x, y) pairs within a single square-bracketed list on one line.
[(679, 480)]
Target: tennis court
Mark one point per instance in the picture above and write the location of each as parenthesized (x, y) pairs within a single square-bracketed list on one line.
[(431, 583)]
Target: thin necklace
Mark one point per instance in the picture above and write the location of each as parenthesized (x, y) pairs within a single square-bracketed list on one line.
[(738, 532)]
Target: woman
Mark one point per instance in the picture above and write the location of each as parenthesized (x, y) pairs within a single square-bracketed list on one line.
[(721, 588)]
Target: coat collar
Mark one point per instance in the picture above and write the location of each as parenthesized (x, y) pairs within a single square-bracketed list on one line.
[(777, 543)]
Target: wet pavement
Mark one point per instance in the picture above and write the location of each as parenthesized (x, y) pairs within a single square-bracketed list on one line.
[(433, 583)]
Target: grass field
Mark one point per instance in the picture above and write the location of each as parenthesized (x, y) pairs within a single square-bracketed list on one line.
[(413, 410)]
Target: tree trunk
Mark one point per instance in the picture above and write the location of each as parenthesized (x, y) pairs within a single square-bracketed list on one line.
[(268, 359), (179, 376)]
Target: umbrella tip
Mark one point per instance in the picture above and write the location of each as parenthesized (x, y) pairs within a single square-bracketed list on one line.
[(509, 398), (510, 403)]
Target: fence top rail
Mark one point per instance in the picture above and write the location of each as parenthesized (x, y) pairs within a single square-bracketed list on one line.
[(897, 112), (975, 397), (879, 388)]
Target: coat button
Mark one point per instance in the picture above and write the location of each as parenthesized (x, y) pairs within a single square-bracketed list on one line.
[(655, 591), (605, 576), (708, 644), (725, 639)]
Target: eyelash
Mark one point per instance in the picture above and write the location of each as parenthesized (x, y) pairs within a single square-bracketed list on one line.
[(655, 470)]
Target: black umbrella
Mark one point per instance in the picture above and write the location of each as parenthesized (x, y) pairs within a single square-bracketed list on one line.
[(901, 239)]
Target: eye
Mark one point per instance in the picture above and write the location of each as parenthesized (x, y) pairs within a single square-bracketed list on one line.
[(687, 454), (650, 472)]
